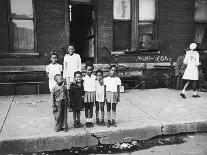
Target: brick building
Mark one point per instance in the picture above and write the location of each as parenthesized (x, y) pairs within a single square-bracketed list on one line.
[(139, 33)]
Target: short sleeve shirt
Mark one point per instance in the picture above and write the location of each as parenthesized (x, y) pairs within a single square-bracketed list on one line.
[(111, 83), (89, 83), (53, 69)]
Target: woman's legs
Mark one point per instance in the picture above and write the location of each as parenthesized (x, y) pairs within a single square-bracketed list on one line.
[(182, 94), (195, 87)]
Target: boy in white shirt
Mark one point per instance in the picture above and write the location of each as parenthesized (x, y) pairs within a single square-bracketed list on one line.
[(53, 69), (71, 64)]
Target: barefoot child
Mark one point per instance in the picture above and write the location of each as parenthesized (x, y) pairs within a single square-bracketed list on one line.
[(59, 96), (89, 97), (53, 69), (100, 100), (76, 98), (112, 87)]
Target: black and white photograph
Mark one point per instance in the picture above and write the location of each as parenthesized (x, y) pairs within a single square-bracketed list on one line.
[(100, 77)]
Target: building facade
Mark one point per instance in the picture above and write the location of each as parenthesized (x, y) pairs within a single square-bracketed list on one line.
[(134, 33)]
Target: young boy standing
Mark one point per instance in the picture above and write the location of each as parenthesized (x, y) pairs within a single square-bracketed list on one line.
[(59, 96)]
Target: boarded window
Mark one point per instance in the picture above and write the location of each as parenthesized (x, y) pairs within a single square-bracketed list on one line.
[(122, 25), (122, 35), (201, 22), (22, 26)]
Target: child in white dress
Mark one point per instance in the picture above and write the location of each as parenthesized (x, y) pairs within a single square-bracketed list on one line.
[(71, 64), (90, 93), (112, 87), (191, 72), (100, 97), (53, 69)]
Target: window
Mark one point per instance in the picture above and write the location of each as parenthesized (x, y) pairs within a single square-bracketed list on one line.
[(22, 26), (147, 22), (201, 23), (122, 25)]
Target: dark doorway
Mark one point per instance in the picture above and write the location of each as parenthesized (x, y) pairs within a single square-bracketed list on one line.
[(82, 30)]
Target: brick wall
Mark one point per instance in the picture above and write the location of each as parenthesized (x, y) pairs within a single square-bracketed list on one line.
[(4, 35), (50, 26), (176, 25), (105, 28)]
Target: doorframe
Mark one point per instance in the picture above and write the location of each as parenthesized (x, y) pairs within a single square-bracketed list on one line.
[(67, 24)]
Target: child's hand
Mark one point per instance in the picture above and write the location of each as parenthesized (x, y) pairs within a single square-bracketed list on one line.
[(54, 108)]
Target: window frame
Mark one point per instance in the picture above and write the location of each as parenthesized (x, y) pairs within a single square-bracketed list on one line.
[(202, 46), (20, 53), (123, 20), (154, 22)]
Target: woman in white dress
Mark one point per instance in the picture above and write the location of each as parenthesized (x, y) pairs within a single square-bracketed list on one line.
[(191, 72)]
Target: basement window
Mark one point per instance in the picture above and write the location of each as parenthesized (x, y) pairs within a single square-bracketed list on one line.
[(200, 35)]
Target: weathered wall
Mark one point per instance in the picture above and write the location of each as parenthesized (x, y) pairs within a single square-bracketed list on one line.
[(105, 28), (175, 27), (4, 34), (50, 26)]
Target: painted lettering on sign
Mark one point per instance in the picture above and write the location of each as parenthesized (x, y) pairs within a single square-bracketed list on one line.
[(154, 58)]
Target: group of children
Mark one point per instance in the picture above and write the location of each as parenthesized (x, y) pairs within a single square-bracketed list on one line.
[(79, 92)]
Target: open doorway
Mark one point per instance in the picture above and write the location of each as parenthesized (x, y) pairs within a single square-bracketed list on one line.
[(82, 30)]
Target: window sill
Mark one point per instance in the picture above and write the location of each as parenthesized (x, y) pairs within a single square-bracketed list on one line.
[(19, 55), (138, 52)]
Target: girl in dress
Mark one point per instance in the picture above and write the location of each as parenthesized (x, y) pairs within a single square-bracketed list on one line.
[(100, 97), (52, 69), (191, 72), (76, 98), (71, 64), (90, 93), (112, 87)]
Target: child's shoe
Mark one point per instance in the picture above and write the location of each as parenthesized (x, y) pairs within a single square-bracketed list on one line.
[(79, 124), (87, 125), (75, 124), (66, 128), (57, 130), (113, 123), (102, 123), (91, 124), (98, 122), (108, 123)]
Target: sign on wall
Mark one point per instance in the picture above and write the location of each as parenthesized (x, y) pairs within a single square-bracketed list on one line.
[(122, 9)]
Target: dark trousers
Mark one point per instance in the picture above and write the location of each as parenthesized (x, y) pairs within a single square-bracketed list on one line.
[(61, 115)]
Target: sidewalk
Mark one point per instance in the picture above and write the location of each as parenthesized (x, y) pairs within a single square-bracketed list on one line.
[(27, 122)]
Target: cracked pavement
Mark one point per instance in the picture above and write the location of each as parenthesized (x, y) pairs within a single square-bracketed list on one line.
[(27, 121)]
